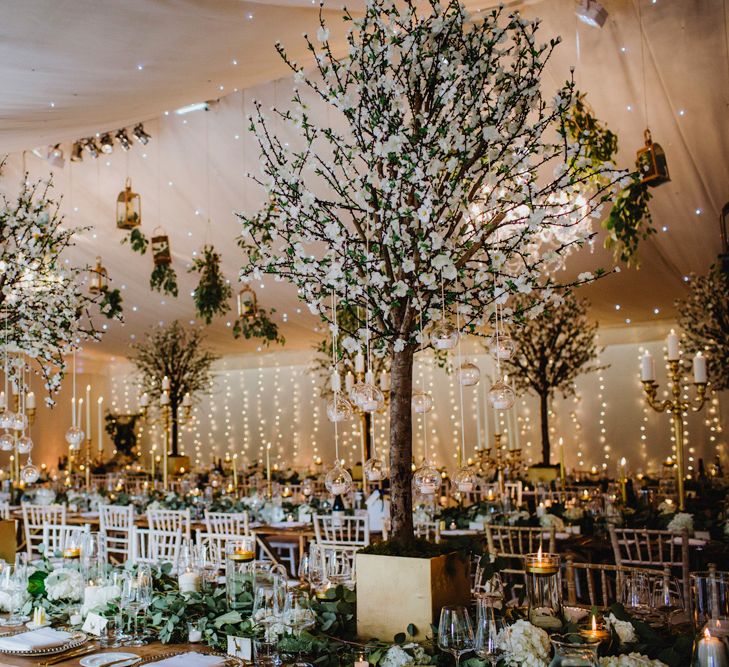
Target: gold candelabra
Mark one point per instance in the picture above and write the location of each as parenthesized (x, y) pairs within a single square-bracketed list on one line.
[(676, 407)]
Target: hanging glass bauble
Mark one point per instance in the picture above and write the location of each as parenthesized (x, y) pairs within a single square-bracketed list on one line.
[(74, 437), (7, 419), (367, 397), (501, 396), (421, 401), (338, 481), (444, 336), (374, 470), (7, 442), (307, 487), (339, 409), (426, 479), (29, 473), (468, 374), (24, 444), (503, 348), (465, 480), (20, 421)]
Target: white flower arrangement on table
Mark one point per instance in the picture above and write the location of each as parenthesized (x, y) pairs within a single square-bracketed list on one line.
[(513, 518), (667, 507), (524, 645), (404, 655), (682, 521), (630, 660), (64, 584), (551, 520), (624, 629), (573, 513)]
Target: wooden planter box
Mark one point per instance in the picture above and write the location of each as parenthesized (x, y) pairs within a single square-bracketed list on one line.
[(393, 592)]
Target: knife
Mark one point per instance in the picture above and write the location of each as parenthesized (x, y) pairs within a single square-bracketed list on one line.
[(68, 655), (122, 660)]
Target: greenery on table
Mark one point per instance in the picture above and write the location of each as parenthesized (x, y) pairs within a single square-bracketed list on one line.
[(213, 291)]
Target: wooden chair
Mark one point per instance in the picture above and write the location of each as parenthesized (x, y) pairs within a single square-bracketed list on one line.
[(170, 521), (156, 546), (116, 523), (227, 523), (35, 518), (518, 541), (429, 530), (342, 530), (599, 584), (642, 547)]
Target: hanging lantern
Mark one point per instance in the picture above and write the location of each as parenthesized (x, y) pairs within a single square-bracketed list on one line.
[(652, 163), (161, 248), (247, 304), (128, 208), (99, 278)]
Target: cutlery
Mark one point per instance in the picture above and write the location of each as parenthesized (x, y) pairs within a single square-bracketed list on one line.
[(68, 655), (121, 660)]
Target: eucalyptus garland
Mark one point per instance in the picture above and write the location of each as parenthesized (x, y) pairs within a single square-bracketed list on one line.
[(213, 292)]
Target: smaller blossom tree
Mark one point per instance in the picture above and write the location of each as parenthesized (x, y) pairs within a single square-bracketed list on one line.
[(552, 348)]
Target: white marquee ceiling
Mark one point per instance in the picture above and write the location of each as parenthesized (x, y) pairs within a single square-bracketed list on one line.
[(83, 57)]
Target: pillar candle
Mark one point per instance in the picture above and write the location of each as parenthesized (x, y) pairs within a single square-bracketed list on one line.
[(647, 367), (359, 362), (30, 400), (78, 416), (711, 652)]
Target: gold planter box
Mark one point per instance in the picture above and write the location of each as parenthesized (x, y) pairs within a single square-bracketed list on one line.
[(393, 592)]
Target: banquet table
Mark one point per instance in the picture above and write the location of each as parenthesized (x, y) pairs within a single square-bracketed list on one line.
[(151, 649)]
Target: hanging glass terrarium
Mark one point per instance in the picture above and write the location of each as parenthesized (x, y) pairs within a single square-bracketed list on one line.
[(161, 248), (128, 208), (247, 303), (99, 279), (652, 162)]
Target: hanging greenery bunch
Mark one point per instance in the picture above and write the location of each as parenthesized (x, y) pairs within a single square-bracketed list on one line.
[(213, 291), (704, 317), (44, 308), (629, 220), (164, 279), (110, 305), (258, 325), (138, 242)]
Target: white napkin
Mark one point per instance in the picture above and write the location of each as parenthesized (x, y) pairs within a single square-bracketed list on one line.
[(191, 659), (35, 640)]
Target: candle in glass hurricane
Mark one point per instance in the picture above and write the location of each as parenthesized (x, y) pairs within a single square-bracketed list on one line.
[(711, 651), (595, 632), (543, 590), (72, 552), (542, 564)]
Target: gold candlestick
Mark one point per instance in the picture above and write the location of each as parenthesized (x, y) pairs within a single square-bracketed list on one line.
[(676, 407), (165, 453)]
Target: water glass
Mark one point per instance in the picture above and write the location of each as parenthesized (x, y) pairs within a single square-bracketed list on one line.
[(489, 624), (265, 653), (710, 592), (455, 632), (635, 593), (339, 568)]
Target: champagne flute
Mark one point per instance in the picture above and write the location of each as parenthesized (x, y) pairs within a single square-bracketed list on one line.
[(317, 570), (455, 633), (145, 590), (298, 615)]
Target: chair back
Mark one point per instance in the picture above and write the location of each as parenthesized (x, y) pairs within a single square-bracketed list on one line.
[(518, 541), (55, 536), (227, 523), (116, 523), (35, 518), (429, 530), (170, 521), (342, 530), (5, 510), (156, 546), (216, 544)]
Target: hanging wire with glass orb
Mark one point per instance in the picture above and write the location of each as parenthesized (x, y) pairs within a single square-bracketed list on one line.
[(338, 481), (74, 437), (427, 479), (374, 470), (501, 396), (501, 346), (468, 374), (421, 401), (7, 419), (339, 409), (29, 473), (465, 479), (24, 445), (7, 442), (444, 336), (366, 395)]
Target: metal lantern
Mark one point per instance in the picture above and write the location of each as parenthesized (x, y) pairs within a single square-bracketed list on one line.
[(128, 208), (652, 163), (161, 248), (247, 303), (99, 278)]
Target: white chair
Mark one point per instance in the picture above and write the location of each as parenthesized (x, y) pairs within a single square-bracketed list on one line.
[(156, 546), (170, 521), (353, 531), (5, 511), (429, 530), (35, 518), (56, 536), (216, 544), (227, 523), (116, 523)]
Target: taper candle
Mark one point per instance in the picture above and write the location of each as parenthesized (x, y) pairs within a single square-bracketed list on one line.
[(699, 368), (88, 412), (100, 437), (647, 367), (672, 345)]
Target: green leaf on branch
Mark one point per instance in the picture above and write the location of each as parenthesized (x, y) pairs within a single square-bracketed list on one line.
[(137, 241), (111, 303), (164, 279), (258, 325), (213, 291), (629, 222)]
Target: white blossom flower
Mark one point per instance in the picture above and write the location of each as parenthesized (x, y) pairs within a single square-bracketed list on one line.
[(64, 584), (629, 660), (624, 629), (551, 520), (322, 34), (682, 521), (396, 656), (524, 645)]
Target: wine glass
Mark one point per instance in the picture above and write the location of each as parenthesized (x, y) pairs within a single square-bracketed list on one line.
[(14, 583), (455, 633), (666, 596), (145, 591), (303, 570), (298, 615), (317, 569), (636, 593), (128, 601), (339, 568), (488, 626)]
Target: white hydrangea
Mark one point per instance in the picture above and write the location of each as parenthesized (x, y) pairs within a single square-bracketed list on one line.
[(574, 513), (516, 516), (624, 629), (396, 656), (682, 521), (549, 520), (630, 660), (64, 584), (524, 645), (667, 507)]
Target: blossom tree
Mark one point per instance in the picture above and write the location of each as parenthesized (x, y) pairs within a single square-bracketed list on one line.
[(45, 310), (552, 349), (451, 185)]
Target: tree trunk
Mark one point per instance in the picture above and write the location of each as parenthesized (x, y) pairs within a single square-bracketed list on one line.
[(174, 428), (401, 445), (544, 411)]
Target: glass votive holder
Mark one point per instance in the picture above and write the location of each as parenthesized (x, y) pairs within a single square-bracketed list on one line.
[(710, 651), (544, 591), (710, 593), (194, 632), (265, 653), (240, 557), (569, 654)]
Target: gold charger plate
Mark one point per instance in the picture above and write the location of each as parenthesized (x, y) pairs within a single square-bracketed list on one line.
[(230, 661), (77, 639)]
